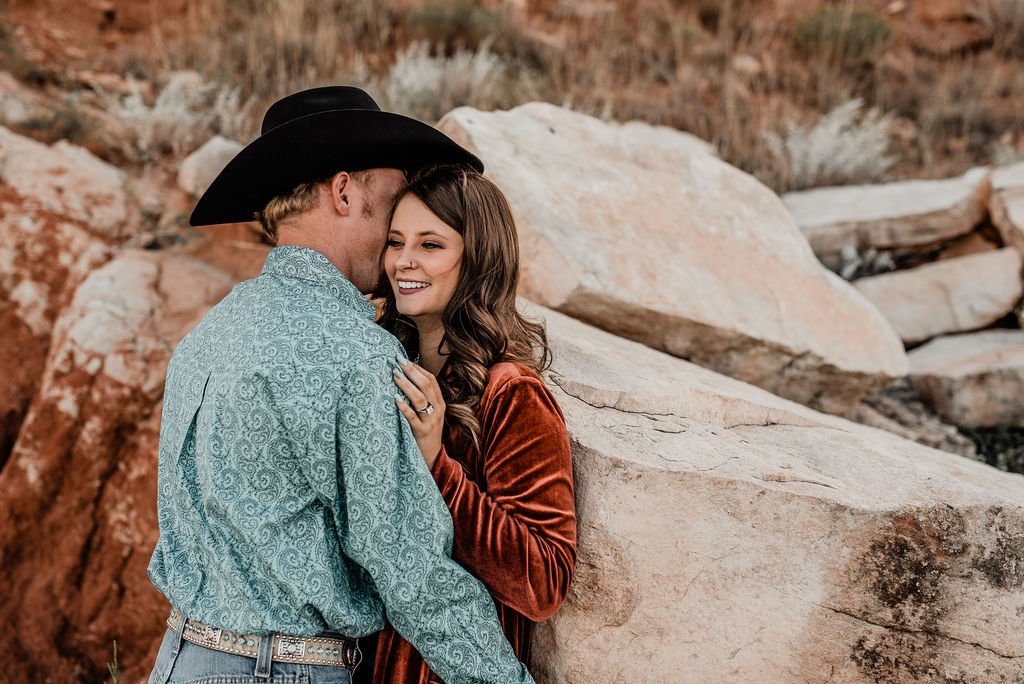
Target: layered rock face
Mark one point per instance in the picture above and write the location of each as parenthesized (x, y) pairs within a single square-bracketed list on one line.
[(953, 295), (61, 210), (729, 535), (77, 497), (973, 380), (890, 215), (692, 257)]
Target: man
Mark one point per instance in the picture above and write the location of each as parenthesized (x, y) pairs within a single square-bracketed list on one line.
[(295, 509)]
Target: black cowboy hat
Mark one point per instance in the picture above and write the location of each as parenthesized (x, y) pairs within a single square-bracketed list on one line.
[(313, 134)]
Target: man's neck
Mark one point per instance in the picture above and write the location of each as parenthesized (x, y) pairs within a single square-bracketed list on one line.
[(309, 231)]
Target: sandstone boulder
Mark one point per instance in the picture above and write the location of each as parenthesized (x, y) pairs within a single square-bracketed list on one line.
[(199, 169), (657, 146), (693, 257), (18, 104), (66, 180), (77, 514), (973, 380), (889, 215), (59, 210), (953, 295), (1007, 205), (729, 535)]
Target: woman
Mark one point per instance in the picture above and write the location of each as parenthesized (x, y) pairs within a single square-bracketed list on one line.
[(490, 431)]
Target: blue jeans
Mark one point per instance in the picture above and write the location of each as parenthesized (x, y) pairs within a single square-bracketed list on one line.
[(182, 662)]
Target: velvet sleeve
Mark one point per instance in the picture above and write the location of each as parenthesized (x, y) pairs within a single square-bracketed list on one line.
[(518, 533)]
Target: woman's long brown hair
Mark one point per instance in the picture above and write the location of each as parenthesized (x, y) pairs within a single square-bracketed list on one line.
[(481, 323)]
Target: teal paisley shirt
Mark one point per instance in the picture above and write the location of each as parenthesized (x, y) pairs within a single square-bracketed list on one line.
[(291, 494)]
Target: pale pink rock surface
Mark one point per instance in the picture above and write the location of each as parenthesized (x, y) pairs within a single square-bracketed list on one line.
[(695, 258), (198, 169), (948, 296), (20, 104), (730, 535), (66, 180), (975, 379)]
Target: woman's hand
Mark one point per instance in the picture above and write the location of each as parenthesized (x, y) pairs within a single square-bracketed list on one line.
[(423, 391)]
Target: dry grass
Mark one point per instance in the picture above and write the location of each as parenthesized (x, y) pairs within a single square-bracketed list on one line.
[(722, 69), (1004, 19), (186, 112), (269, 48), (425, 83), (846, 146)]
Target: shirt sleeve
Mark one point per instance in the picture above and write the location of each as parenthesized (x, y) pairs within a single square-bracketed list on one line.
[(518, 537), (395, 525)]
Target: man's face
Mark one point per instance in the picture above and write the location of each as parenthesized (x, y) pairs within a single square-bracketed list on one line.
[(380, 188)]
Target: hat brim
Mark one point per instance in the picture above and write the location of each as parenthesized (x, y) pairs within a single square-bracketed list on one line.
[(317, 146)]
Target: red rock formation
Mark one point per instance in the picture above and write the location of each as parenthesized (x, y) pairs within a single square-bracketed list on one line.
[(77, 498), (60, 211)]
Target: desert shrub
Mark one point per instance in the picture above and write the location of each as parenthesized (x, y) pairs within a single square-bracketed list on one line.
[(427, 85), (846, 35), (1001, 447), (1004, 19), (845, 146), (65, 122), (187, 112), (1003, 153), (855, 264)]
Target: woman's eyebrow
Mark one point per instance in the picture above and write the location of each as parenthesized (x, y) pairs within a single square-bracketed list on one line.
[(419, 233)]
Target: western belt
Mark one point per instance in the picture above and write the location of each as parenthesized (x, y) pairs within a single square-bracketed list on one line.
[(306, 650)]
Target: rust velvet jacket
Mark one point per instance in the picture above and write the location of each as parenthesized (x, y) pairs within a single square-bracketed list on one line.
[(514, 514)]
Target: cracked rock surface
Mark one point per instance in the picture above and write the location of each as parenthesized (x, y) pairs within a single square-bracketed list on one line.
[(695, 258), (730, 535)]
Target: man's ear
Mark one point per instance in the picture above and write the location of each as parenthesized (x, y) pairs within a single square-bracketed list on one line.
[(341, 190)]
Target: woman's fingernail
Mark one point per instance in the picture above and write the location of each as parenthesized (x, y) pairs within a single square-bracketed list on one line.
[(399, 397), (401, 360), (398, 373)]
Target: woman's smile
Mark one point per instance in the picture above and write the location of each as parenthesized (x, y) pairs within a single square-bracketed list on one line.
[(408, 287)]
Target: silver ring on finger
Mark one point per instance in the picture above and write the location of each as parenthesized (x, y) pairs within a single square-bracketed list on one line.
[(426, 410)]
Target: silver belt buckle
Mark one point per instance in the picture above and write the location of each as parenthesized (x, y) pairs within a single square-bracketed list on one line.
[(211, 636), (291, 648)]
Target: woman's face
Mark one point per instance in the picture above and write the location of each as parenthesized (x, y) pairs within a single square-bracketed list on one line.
[(422, 260)]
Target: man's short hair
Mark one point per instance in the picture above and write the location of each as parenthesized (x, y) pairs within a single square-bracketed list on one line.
[(298, 201)]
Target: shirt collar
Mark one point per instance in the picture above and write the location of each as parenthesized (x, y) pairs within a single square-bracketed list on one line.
[(292, 261)]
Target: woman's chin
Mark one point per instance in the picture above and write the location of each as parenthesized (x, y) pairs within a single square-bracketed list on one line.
[(420, 317), (410, 312)]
